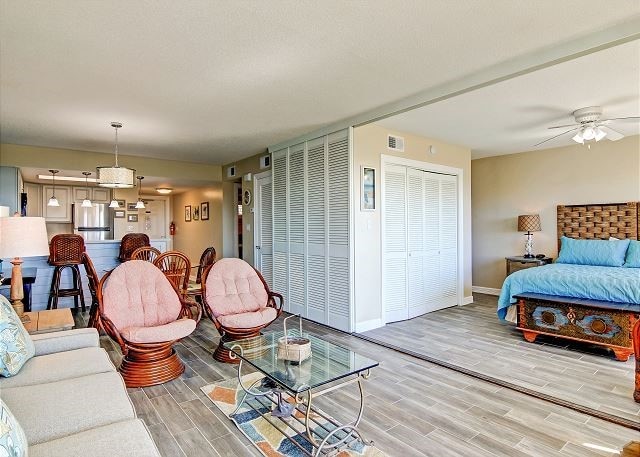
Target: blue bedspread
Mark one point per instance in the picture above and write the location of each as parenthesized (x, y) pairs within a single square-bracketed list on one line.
[(614, 284)]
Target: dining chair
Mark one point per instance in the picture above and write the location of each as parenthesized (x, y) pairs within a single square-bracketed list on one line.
[(176, 267), (147, 253)]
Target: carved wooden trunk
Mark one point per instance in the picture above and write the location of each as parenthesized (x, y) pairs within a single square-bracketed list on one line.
[(596, 322)]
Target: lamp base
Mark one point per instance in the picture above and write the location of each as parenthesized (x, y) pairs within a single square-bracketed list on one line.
[(529, 256), (18, 307)]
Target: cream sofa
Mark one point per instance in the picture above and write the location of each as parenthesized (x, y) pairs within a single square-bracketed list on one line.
[(71, 401)]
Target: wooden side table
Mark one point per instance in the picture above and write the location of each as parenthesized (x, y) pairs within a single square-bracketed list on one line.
[(54, 320), (516, 263)]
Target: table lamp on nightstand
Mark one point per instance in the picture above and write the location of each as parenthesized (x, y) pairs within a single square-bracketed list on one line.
[(529, 223), (21, 237)]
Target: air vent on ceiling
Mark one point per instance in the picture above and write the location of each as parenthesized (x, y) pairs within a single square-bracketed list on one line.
[(231, 171), (395, 143), (265, 161)]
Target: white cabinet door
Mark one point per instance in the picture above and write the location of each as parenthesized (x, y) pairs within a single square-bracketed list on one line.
[(34, 199), (448, 240), (80, 193), (431, 257), (100, 195), (416, 297), (60, 213)]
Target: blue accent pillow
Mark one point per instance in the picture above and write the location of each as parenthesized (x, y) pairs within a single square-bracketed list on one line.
[(16, 346), (605, 253), (633, 255), (13, 442)]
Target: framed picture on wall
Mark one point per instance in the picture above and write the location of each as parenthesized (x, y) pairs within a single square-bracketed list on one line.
[(204, 211), (187, 213), (196, 213), (119, 214), (368, 201), (132, 206), (121, 204), (132, 218)]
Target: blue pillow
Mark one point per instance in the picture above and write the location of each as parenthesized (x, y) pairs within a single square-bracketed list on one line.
[(633, 255), (605, 253), (16, 346)]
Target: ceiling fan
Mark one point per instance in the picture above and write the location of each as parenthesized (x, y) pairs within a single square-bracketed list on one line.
[(590, 126)]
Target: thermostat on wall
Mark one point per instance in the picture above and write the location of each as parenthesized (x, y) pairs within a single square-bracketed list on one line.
[(265, 161), (231, 171)]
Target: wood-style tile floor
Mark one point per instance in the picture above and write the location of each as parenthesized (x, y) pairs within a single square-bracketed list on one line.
[(473, 337), (413, 409)]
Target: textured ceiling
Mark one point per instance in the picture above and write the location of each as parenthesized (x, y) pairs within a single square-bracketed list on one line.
[(215, 81), (512, 116)]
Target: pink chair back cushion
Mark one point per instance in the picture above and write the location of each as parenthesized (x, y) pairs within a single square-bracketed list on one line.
[(233, 287), (137, 294)]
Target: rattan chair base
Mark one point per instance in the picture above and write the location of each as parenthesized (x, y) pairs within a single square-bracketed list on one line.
[(221, 354), (150, 364)]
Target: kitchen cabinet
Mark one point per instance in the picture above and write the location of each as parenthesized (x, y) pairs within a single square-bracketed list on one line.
[(95, 194), (60, 213), (10, 188), (34, 199)]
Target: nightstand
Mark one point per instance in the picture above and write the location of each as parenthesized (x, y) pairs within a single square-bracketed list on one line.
[(520, 263)]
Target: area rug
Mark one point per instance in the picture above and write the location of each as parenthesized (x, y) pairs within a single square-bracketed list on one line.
[(266, 438)]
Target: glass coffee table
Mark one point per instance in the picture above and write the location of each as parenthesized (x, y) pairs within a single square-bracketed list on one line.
[(329, 368)]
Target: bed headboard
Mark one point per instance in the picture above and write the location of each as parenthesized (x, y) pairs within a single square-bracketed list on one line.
[(599, 221)]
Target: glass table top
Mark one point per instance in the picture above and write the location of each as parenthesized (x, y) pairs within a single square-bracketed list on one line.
[(328, 362)]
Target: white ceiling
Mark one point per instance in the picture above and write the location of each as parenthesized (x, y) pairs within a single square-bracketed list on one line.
[(215, 81), (513, 115)]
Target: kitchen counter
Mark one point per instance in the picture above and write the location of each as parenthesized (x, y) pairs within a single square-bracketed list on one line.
[(154, 240)]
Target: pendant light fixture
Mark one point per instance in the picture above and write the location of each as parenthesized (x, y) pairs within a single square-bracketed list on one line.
[(86, 203), (140, 203), (114, 204), (116, 177), (53, 201)]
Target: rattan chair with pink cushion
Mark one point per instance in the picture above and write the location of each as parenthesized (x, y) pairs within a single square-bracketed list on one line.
[(238, 301), (144, 313)]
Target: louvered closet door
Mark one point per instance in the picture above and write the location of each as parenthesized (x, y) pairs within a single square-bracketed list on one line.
[(416, 299), (280, 239), (297, 283), (264, 225), (431, 259), (448, 240), (316, 230), (394, 265), (338, 212)]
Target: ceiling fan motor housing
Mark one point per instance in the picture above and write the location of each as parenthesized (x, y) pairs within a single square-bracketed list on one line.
[(588, 114)]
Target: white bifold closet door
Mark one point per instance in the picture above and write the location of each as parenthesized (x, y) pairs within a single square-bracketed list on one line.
[(311, 229), (420, 262)]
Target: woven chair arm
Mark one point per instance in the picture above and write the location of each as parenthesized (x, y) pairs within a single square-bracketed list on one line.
[(272, 302), (111, 330)]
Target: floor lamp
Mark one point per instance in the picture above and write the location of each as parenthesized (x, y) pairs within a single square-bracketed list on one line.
[(21, 237)]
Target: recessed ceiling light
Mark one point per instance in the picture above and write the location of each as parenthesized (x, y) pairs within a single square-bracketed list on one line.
[(164, 190)]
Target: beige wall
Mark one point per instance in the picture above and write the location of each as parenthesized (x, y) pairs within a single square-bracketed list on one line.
[(368, 145), (536, 182), (248, 165), (194, 237)]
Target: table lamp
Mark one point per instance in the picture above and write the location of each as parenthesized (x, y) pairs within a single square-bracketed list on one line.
[(21, 237), (529, 223)]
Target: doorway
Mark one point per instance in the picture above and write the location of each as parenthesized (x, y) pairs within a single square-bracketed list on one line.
[(263, 225)]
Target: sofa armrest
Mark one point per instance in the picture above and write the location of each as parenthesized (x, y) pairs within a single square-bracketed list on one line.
[(68, 340)]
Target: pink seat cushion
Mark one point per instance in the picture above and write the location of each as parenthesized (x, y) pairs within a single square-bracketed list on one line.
[(234, 287), (137, 294), (168, 332), (258, 318)]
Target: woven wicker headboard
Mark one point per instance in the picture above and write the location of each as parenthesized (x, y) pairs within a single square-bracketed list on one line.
[(599, 221)]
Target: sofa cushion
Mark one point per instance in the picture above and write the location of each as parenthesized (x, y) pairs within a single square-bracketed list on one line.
[(16, 346), (12, 440), (59, 366), (67, 340), (249, 320), (58, 409), (168, 332), (122, 438)]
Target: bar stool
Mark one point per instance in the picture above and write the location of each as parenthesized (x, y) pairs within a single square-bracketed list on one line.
[(130, 242), (65, 251)]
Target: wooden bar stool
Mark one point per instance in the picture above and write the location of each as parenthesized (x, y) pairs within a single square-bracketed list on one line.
[(65, 251), (130, 242)]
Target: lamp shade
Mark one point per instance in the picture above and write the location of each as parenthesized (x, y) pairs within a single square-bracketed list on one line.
[(23, 237), (529, 223), (115, 177)]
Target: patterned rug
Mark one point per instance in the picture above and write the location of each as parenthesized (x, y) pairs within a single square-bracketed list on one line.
[(266, 438)]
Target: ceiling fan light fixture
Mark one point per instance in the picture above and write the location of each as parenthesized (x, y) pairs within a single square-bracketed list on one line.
[(588, 133), (600, 134), (578, 138)]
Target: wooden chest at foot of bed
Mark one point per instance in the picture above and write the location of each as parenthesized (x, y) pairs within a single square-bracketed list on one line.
[(596, 322)]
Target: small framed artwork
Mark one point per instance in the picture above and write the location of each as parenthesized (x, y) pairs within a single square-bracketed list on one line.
[(196, 213), (132, 218), (121, 204), (187, 213), (368, 201), (204, 211), (132, 206), (119, 214)]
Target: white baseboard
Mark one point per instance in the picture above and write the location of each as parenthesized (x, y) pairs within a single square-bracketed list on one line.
[(467, 300), (485, 290), (368, 325)]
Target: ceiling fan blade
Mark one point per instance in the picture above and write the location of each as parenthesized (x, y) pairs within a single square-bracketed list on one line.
[(618, 119), (554, 137), (613, 135), (563, 126)]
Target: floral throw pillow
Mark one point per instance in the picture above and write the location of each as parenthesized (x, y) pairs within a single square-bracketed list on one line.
[(13, 443), (16, 346)]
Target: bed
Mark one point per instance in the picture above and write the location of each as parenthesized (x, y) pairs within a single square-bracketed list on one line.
[(595, 304)]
